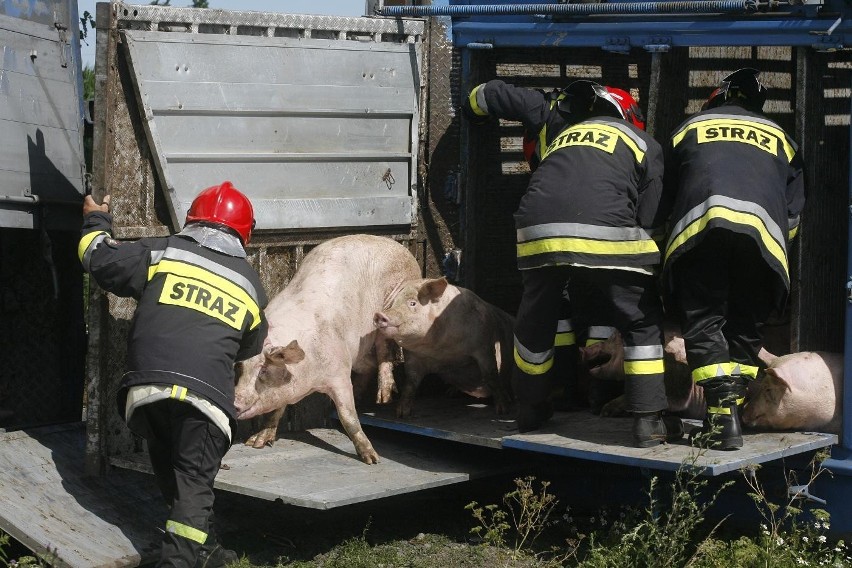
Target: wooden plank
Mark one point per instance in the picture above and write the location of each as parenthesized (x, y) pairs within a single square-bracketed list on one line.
[(319, 468), (586, 436), (51, 507)]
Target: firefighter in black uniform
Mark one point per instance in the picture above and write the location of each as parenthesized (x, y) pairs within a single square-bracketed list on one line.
[(199, 310), (585, 220), (739, 193), (539, 113)]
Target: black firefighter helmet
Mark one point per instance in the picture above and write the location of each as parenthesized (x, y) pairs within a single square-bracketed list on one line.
[(741, 85)]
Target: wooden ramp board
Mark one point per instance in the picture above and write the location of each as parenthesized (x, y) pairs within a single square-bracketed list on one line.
[(587, 436), (52, 508), (319, 468)]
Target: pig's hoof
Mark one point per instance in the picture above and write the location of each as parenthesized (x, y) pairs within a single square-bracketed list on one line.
[(403, 412), (261, 440), (370, 457), (614, 408), (384, 397)]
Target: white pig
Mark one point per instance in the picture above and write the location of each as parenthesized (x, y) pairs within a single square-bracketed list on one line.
[(321, 332), (801, 391), (453, 333)]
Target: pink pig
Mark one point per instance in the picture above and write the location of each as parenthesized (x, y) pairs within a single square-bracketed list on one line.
[(321, 333), (452, 332), (801, 391)]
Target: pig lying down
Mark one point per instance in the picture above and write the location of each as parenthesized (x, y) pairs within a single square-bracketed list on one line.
[(800, 391), (453, 333), (321, 332)]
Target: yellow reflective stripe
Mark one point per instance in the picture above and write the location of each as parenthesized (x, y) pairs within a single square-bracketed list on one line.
[(749, 371), (651, 367), (587, 246), (593, 340), (178, 392), (474, 106), (738, 217), (792, 233), (718, 410), (532, 368), (712, 371), (86, 240), (565, 339), (190, 271), (186, 531)]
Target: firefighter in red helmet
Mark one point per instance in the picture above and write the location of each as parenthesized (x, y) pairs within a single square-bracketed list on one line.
[(738, 187), (199, 310), (586, 219)]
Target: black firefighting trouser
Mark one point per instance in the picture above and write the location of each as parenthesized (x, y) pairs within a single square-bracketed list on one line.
[(627, 300), (722, 292), (186, 449)]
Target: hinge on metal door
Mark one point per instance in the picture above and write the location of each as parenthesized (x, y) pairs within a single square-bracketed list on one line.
[(63, 42)]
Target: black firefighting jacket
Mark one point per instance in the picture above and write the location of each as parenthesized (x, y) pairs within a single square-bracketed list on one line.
[(534, 108), (734, 169), (594, 200), (198, 311)]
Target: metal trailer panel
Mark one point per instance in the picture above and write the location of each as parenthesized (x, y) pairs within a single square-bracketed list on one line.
[(125, 163), (41, 149), (308, 150)]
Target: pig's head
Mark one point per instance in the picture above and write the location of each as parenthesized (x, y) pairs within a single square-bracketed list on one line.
[(262, 384), (772, 404), (410, 313)]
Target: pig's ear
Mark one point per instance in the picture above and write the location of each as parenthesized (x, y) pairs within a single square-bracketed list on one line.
[(281, 356), (431, 290), (776, 382)]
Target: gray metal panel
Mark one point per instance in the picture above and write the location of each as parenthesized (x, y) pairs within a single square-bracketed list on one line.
[(41, 155), (319, 133)]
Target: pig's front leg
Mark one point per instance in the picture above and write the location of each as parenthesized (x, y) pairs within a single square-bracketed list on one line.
[(268, 430), (415, 370), (384, 358), (344, 403)]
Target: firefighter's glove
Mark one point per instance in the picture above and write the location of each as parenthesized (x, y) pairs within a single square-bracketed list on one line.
[(472, 108)]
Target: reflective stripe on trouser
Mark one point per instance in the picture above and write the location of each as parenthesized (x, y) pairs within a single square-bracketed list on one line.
[(627, 299), (630, 302), (565, 353), (186, 449), (721, 292)]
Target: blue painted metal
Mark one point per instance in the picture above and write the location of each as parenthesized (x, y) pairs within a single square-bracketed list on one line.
[(661, 7), (652, 25)]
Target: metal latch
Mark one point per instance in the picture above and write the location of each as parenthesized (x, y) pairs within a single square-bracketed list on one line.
[(63, 42), (803, 492)]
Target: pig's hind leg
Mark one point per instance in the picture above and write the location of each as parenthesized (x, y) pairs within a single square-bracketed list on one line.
[(495, 373), (268, 429), (385, 350)]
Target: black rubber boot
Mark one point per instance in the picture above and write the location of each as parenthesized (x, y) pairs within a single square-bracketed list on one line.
[(212, 555), (652, 428), (722, 429)]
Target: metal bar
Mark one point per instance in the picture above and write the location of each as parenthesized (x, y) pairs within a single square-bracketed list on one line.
[(846, 430), (312, 113), (664, 7), (677, 33), (282, 157)]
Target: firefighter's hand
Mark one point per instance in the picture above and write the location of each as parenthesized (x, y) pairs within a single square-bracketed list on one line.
[(89, 205)]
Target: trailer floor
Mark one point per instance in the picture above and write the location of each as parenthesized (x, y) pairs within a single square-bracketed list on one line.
[(586, 436)]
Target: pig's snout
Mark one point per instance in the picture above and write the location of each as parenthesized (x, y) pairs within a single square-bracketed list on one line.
[(381, 321)]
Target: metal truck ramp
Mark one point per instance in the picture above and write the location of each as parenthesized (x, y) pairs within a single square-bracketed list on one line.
[(587, 436), (52, 508), (319, 468)]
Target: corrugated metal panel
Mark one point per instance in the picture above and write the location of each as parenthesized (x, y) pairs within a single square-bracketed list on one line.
[(319, 133), (41, 155)]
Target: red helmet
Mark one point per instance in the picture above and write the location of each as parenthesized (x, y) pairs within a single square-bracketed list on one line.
[(223, 205), (742, 85), (629, 107)]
